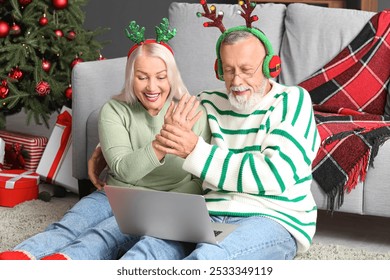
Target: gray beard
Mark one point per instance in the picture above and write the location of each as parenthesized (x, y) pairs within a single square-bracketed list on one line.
[(241, 103)]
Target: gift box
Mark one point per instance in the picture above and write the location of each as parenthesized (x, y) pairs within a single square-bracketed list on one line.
[(22, 151), (56, 163), (17, 186)]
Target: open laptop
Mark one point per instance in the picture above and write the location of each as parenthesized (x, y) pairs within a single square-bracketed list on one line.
[(165, 215)]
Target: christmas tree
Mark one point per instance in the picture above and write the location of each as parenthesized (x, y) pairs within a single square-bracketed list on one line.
[(40, 42)]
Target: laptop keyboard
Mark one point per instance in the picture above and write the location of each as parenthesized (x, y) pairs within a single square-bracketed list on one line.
[(217, 232)]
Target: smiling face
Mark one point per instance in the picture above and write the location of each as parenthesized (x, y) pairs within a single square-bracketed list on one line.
[(151, 85), (242, 64)]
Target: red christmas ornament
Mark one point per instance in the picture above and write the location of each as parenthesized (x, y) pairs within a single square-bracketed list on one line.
[(4, 89), (24, 2), (101, 57), (15, 29), (75, 61), (4, 29), (16, 73), (46, 65), (71, 35), (42, 88), (58, 33), (60, 4), (43, 20), (68, 92)]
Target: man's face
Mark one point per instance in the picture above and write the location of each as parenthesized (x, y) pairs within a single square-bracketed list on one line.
[(242, 70)]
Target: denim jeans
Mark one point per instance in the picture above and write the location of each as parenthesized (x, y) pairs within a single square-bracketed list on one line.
[(256, 238), (87, 231)]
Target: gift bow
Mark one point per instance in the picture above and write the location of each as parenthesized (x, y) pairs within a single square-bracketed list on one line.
[(10, 184), (63, 120)]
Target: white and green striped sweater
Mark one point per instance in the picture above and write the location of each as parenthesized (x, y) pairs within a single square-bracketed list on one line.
[(260, 163)]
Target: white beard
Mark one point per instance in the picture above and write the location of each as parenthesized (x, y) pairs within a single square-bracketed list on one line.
[(241, 103)]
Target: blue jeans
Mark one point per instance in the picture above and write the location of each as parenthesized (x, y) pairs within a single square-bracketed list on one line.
[(87, 231), (257, 238)]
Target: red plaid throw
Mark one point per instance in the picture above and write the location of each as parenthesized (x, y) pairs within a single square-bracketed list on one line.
[(349, 95)]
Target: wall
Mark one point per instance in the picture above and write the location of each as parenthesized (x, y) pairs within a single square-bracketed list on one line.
[(117, 15)]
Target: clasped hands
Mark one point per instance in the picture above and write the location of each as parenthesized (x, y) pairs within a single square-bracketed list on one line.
[(176, 136)]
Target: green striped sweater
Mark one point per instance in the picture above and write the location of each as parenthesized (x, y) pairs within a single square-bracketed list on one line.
[(260, 163)]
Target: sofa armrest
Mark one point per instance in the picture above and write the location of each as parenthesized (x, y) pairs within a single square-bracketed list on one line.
[(93, 84)]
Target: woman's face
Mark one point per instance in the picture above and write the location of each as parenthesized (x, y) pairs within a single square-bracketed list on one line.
[(151, 85)]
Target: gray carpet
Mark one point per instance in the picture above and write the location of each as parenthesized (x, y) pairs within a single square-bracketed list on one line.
[(28, 218)]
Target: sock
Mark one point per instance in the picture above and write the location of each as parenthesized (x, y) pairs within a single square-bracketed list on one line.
[(55, 257), (15, 255)]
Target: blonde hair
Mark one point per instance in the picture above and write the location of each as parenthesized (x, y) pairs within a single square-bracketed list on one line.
[(178, 89)]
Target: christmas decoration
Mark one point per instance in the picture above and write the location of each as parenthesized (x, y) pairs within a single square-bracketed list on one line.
[(4, 89), (43, 20), (68, 92), (75, 61), (38, 43), (4, 29), (16, 74), (24, 2), (46, 65), (58, 33), (42, 88), (15, 29), (60, 4)]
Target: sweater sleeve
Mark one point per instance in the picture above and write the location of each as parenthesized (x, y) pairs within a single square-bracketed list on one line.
[(283, 159), (128, 164)]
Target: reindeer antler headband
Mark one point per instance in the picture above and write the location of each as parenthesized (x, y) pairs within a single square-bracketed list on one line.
[(271, 65), (137, 35)]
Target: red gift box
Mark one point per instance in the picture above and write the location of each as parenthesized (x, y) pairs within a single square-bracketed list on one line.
[(22, 151), (17, 186)]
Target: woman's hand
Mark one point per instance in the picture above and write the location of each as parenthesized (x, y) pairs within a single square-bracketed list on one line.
[(96, 165)]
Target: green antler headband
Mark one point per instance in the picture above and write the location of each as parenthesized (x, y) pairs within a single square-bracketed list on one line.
[(137, 35)]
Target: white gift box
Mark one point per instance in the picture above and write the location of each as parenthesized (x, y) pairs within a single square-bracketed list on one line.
[(56, 163)]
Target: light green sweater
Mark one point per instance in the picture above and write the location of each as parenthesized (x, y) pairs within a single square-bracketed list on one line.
[(126, 134)]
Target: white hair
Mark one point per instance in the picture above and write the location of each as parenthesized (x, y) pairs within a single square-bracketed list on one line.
[(178, 89)]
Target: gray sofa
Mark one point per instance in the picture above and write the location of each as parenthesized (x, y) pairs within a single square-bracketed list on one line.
[(305, 36)]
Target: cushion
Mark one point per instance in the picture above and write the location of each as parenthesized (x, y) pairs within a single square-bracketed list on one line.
[(314, 35), (194, 45)]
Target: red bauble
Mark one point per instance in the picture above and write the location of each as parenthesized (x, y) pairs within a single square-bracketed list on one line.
[(4, 89), (68, 92), (42, 88), (60, 4), (24, 2), (75, 61), (43, 20), (71, 35), (15, 29), (4, 29), (16, 74), (101, 57), (58, 33), (46, 65)]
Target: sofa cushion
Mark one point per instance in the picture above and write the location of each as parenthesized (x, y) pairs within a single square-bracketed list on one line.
[(194, 45), (314, 35)]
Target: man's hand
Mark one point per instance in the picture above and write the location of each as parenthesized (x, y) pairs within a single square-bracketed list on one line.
[(96, 165)]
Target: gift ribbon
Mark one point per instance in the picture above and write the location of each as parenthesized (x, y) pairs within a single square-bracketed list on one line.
[(10, 184), (65, 120)]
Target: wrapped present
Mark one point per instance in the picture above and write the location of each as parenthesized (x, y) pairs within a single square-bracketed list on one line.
[(17, 186), (22, 151), (56, 164)]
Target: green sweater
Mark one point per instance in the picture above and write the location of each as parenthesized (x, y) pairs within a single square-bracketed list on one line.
[(126, 133)]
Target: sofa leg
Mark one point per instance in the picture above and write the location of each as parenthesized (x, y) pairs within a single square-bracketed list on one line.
[(85, 187)]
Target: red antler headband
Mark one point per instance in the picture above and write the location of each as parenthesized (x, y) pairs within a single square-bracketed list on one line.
[(137, 35)]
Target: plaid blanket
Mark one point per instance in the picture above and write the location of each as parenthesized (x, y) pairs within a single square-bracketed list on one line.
[(349, 95)]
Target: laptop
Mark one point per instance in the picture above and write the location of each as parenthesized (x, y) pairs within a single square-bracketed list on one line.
[(166, 215)]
